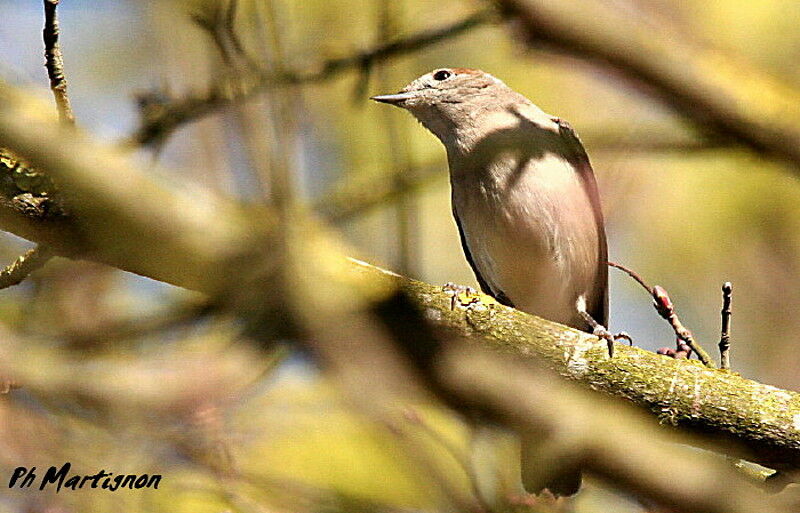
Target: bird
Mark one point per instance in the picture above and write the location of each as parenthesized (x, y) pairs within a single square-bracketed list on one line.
[(526, 203)]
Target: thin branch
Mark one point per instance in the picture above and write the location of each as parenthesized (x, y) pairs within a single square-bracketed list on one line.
[(161, 224), (162, 118), (230, 26), (354, 197), (725, 335), (54, 62), (650, 145), (458, 455), (220, 24), (633, 274), (665, 308)]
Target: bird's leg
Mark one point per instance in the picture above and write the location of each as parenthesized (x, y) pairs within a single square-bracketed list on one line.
[(599, 330)]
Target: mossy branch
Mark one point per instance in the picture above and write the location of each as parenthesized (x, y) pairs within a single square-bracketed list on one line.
[(751, 420)]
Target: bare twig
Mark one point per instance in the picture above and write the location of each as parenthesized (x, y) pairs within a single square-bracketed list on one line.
[(230, 26), (357, 196), (725, 336), (220, 24), (283, 105), (457, 454), (633, 274), (353, 197), (161, 119), (55, 62), (666, 309)]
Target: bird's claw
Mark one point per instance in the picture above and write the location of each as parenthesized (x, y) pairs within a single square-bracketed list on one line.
[(623, 335), (460, 295), (601, 332)]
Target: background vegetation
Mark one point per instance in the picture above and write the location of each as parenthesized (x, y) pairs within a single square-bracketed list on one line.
[(130, 374)]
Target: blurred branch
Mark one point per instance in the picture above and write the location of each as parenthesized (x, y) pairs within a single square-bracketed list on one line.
[(161, 116), (608, 439), (406, 209), (184, 238), (34, 188), (219, 22), (182, 314), (358, 196), (649, 144), (23, 266), (355, 196), (126, 218), (722, 95)]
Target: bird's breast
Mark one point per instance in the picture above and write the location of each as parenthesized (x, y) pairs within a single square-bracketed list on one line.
[(532, 233)]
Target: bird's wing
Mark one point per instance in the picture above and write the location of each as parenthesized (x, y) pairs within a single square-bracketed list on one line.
[(577, 156), (497, 294)]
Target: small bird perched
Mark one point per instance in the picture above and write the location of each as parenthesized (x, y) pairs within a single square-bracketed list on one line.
[(524, 198)]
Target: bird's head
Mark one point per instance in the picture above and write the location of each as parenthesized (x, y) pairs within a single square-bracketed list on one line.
[(447, 99)]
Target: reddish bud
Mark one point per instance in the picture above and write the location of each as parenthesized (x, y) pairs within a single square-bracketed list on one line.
[(661, 298)]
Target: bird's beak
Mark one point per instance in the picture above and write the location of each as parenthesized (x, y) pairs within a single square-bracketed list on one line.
[(393, 99)]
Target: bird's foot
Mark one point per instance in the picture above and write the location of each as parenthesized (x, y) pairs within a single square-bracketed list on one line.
[(461, 295), (602, 332)]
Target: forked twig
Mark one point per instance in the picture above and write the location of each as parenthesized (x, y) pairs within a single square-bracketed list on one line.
[(666, 310)]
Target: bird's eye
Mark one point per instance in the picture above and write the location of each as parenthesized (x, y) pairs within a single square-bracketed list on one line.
[(442, 74)]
